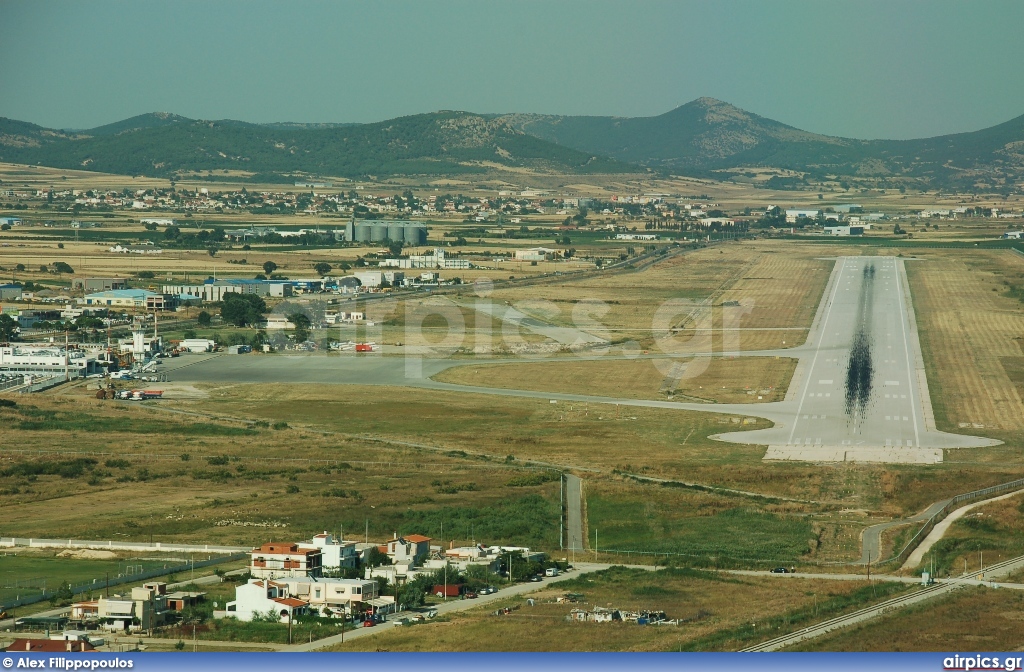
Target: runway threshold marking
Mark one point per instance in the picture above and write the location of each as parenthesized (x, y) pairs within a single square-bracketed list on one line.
[(817, 348)]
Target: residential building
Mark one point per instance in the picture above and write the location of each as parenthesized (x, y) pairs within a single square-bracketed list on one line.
[(144, 608), (409, 549), (329, 596), (262, 597), (276, 560), (335, 554)]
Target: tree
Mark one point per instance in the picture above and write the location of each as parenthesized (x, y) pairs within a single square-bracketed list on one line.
[(203, 319), (242, 309), (395, 247), (19, 267), (63, 596), (212, 251), (322, 268), (269, 267), (302, 324), (62, 267), (8, 328)]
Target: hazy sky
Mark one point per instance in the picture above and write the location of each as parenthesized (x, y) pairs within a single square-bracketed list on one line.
[(892, 68)]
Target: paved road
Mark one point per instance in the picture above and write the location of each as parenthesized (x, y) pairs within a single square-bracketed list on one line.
[(573, 513), (453, 606), (871, 538), (940, 528)]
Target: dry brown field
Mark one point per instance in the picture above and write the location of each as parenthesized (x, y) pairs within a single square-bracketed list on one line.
[(780, 283), (735, 380), (710, 604), (970, 620), (968, 326)]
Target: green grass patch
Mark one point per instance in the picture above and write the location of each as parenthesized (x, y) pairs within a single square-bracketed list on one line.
[(529, 521), (655, 527)]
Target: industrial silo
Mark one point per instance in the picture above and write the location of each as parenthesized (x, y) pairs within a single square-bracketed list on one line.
[(396, 232), (415, 234), (363, 233), (378, 233)]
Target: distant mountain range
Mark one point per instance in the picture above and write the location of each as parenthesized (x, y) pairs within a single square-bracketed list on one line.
[(706, 137), (161, 144)]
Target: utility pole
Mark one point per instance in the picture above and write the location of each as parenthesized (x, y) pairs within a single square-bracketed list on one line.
[(561, 511)]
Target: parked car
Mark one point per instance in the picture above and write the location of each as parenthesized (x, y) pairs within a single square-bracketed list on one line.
[(369, 623), (536, 579), (780, 570), (470, 595)]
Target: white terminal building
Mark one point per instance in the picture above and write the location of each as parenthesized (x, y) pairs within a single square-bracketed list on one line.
[(36, 359)]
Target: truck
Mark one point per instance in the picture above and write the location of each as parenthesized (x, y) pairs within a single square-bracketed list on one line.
[(364, 347)]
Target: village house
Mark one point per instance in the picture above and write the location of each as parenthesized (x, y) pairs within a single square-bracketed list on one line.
[(277, 560), (263, 597)]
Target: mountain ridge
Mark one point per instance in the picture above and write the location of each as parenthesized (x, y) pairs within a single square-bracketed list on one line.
[(705, 138)]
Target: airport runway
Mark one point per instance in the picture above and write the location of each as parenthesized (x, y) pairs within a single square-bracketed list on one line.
[(859, 392)]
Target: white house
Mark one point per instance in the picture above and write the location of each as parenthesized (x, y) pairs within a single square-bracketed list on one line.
[(335, 553), (329, 596), (285, 560), (260, 597)]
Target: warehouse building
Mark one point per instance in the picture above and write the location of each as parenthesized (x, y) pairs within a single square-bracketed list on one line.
[(129, 298), (99, 284)]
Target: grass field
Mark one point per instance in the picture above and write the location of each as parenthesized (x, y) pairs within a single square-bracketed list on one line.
[(741, 380), (968, 327), (26, 572), (719, 613), (971, 619)]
